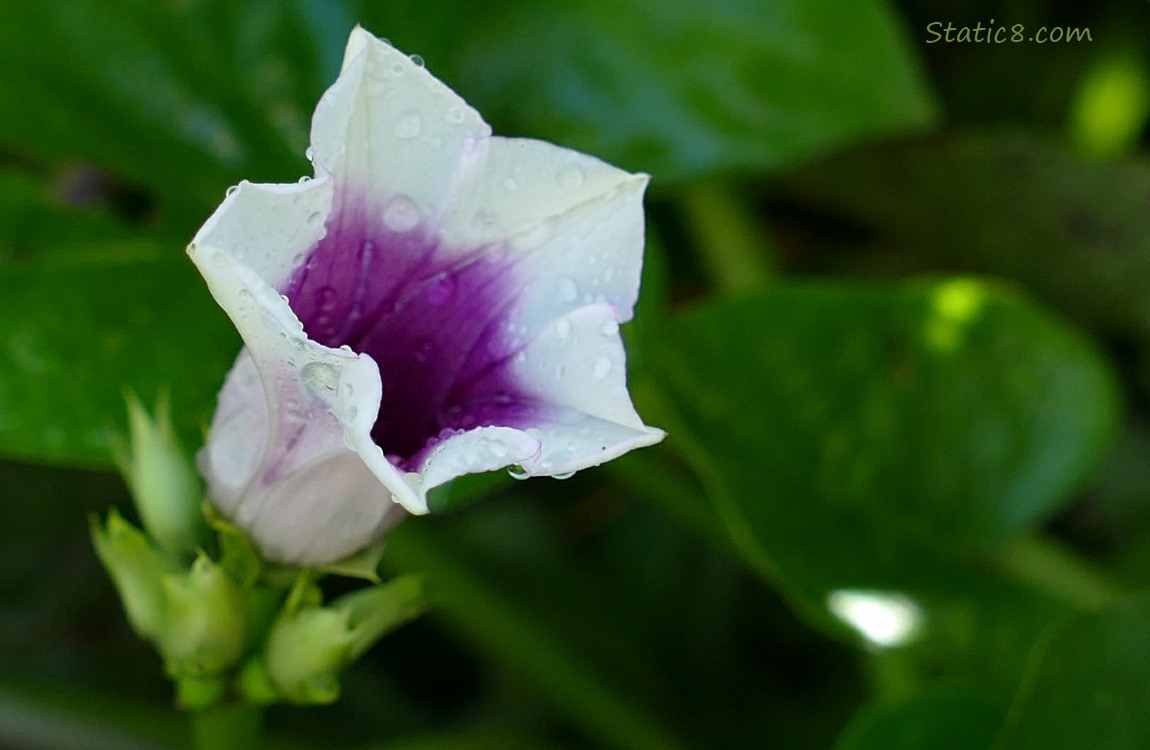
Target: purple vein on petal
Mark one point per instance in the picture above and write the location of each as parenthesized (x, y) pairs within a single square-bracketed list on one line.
[(435, 320)]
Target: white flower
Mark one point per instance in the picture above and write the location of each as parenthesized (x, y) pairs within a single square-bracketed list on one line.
[(436, 302)]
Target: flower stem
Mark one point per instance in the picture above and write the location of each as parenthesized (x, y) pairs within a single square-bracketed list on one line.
[(1053, 568), (734, 248), (237, 727)]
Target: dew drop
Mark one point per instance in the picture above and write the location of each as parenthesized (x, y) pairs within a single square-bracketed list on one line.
[(441, 291), (423, 351), (455, 115), (418, 61), (397, 69), (609, 328), (304, 179), (562, 328), (327, 298), (408, 125), (310, 153), (319, 376), (564, 475), (601, 368), (571, 178), (484, 219), (314, 219), (401, 214), (568, 291), (517, 472), (231, 191)]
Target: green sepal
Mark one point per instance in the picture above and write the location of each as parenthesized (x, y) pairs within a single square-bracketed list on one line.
[(166, 490), (137, 569), (206, 621)]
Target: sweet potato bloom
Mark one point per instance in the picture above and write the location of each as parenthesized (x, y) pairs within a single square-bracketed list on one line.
[(437, 301)]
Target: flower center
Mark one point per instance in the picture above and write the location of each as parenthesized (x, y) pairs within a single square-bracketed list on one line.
[(435, 320)]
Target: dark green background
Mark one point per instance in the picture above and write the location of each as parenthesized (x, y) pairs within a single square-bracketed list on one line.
[(895, 318)]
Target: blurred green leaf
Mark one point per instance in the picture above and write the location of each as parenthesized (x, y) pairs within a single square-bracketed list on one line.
[(76, 336), (946, 718), (676, 89), (1017, 205), (1087, 685), (502, 585), (180, 97), (857, 436)]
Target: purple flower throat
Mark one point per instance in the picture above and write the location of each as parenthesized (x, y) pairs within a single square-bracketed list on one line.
[(435, 320)]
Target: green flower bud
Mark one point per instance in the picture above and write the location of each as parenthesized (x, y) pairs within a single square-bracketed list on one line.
[(307, 648), (205, 623), (166, 489), (137, 570)]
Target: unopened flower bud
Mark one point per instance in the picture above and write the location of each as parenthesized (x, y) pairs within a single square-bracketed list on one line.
[(205, 622), (137, 571), (165, 487)]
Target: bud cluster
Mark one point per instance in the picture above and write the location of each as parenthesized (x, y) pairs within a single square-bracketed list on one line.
[(229, 626)]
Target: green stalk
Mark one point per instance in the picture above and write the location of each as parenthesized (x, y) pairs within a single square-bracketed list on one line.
[(237, 727), (1051, 567), (734, 247)]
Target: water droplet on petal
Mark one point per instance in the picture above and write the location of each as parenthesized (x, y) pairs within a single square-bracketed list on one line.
[(455, 114), (441, 290), (423, 350), (568, 291), (408, 125), (310, 153), (564, 475), (397, 69), (401, 214), (601, 368), (314, 219), (305, 178), (319, 376), (571, 178), (418, 61), (231, 191), (609, 328), (517, 472), (562, 328), (327, 298)]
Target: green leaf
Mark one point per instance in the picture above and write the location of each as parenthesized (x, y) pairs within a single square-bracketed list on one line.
[(1087, 685), (180, 97), (523, 605), (677, 89), (947, 718), (78, 335), (1075, 231), (859, 436)]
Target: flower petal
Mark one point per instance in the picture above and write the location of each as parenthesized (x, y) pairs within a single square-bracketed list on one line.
[(281, 439), (389, 127)]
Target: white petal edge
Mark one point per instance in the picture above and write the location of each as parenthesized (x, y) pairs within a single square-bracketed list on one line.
[(318, 406), (406, 129)]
